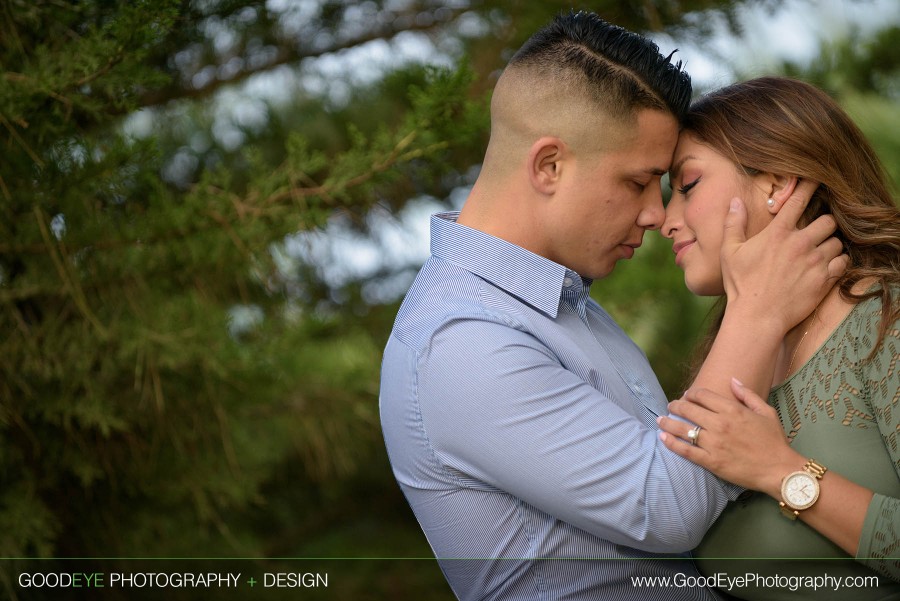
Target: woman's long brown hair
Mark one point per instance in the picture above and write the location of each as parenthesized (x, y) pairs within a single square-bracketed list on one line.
[(789, 127)]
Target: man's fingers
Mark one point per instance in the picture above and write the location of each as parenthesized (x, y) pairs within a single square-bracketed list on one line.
[(794, 206)]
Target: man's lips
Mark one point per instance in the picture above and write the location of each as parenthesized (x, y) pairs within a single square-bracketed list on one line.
[(631, 246)]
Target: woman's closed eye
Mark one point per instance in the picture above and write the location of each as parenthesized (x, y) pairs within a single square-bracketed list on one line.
[(687, 187)]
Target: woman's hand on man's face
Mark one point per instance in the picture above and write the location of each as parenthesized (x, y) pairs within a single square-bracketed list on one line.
[(781, 274)]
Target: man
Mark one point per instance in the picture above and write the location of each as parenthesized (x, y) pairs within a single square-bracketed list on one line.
[(520, 420)]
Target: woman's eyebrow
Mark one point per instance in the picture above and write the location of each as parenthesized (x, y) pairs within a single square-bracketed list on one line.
[(674, 169)]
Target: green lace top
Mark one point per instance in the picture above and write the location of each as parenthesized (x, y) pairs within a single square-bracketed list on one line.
[(842, 409)]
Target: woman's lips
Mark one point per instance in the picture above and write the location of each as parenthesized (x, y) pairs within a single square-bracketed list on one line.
[(680, 249)]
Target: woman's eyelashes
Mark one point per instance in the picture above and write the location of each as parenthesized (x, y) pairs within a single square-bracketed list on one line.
[(687, 187)]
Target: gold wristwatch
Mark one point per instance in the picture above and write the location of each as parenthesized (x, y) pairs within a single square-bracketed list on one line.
[(800, 490)]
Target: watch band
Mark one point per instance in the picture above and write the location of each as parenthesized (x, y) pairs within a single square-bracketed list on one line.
[(791, 514), (814, 469)]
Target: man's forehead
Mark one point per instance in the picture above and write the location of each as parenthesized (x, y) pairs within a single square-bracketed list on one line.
[(646, 170), (632, 166)]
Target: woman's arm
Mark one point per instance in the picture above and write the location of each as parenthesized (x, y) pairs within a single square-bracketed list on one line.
[(881, 529), (744, 443)]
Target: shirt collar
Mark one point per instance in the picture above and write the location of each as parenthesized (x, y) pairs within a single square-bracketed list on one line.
[(532, 278)]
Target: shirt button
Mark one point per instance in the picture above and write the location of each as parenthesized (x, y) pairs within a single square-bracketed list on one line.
[(567, 282)]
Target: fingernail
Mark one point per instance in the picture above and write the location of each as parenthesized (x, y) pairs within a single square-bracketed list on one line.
[(735, 205), (737, 382)]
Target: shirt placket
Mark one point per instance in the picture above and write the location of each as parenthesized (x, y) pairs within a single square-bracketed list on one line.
[(574, 294)]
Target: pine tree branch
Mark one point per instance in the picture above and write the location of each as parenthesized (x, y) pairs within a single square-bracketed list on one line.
[(70, 281), (395, 157), (248, 205), (112, 62), (287, 54), (14, 134)]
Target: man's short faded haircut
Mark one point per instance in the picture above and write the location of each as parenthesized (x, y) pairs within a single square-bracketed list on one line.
[(621, 71)]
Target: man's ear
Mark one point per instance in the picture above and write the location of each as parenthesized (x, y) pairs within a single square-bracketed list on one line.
[(781, 187), (545, 163)]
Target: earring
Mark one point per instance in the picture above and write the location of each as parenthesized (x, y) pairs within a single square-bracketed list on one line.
[(771, 202)]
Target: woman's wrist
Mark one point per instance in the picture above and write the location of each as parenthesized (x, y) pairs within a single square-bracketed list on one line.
[(767, 321), (792, 461)]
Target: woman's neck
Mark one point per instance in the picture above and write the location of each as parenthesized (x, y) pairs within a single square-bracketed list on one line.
[(802, 342)]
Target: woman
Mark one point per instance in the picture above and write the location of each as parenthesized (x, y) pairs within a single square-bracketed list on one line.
[(836, 385)]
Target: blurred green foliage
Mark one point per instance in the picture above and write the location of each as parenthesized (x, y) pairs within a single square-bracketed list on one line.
[(177, 379)]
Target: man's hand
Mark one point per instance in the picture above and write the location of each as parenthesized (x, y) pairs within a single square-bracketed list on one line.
[(783, 272)]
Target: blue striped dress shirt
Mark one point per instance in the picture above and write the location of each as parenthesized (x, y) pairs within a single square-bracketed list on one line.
[(520, 423)]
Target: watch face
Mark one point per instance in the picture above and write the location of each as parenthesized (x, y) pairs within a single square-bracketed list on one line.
[(800, 490)]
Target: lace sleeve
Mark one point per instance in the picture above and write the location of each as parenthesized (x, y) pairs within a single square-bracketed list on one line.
[(879, 544)]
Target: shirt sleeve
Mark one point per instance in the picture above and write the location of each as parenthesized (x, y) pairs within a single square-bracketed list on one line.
[(513, 418), (879, 543)]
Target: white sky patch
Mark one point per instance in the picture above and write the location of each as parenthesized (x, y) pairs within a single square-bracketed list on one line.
[(140, 124), (342, 255), (794, 32)]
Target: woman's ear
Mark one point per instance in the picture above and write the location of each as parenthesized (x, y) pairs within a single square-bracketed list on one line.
[(781, 189), (544, 164)]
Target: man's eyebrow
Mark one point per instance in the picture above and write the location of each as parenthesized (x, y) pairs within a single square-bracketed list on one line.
[(655, 171)]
